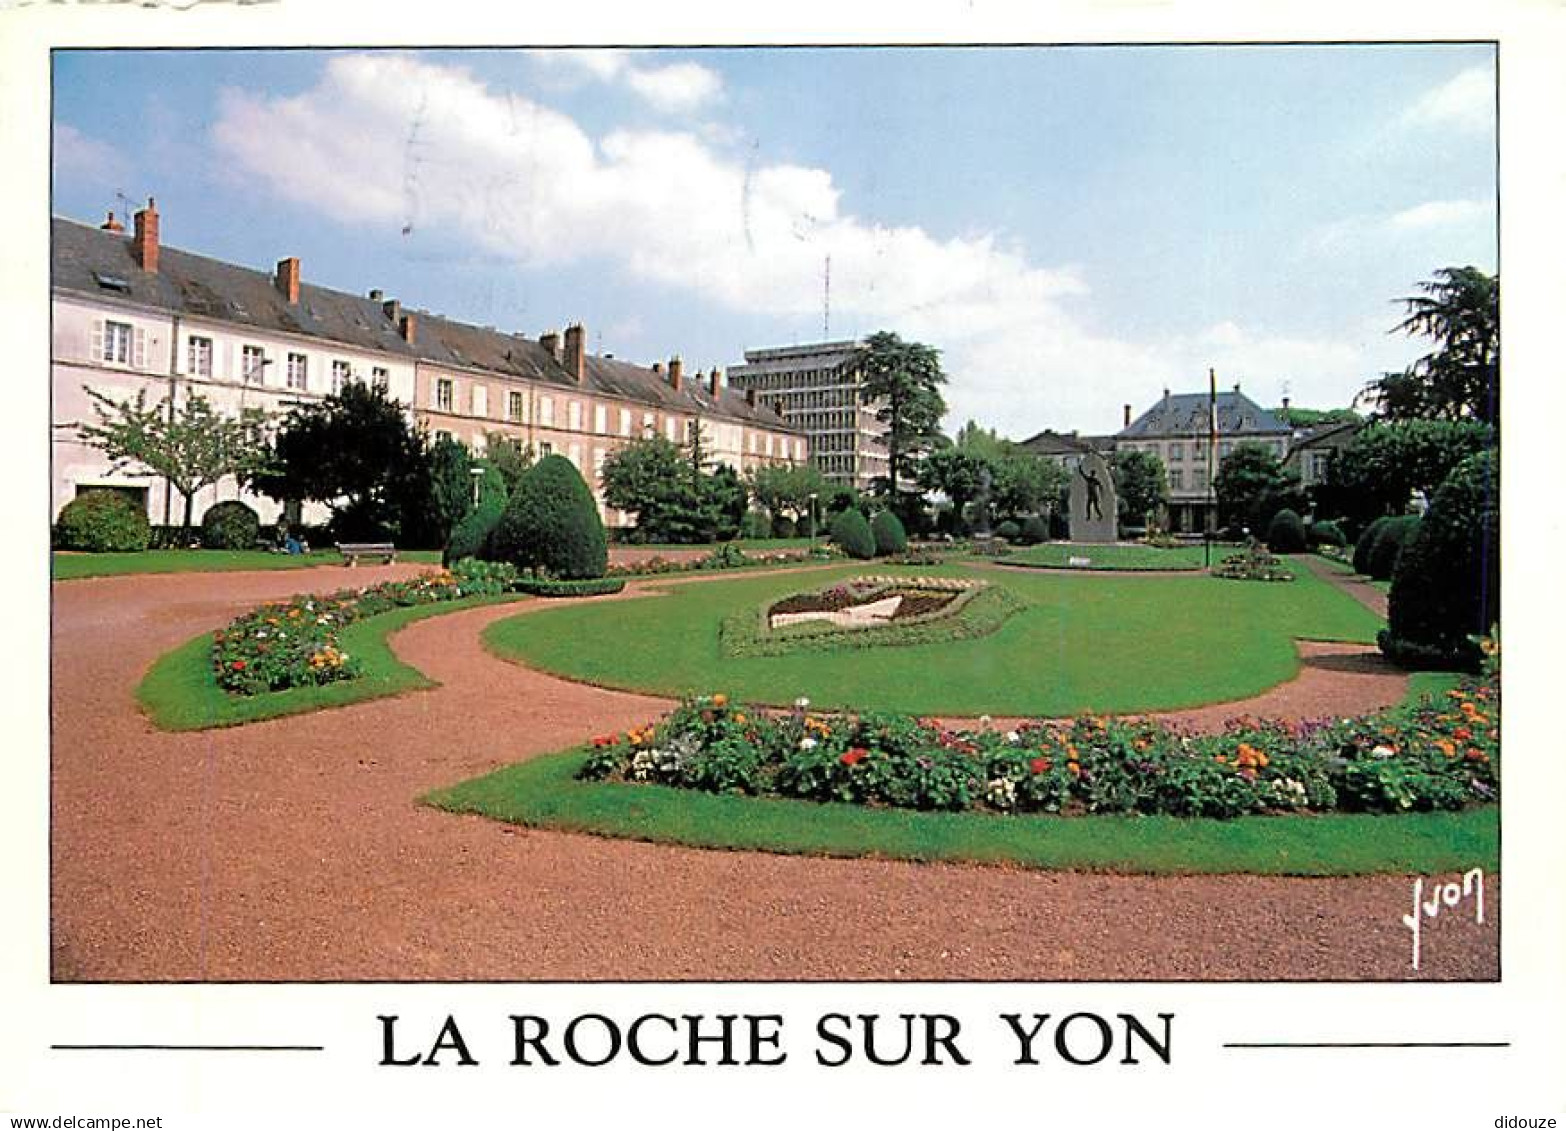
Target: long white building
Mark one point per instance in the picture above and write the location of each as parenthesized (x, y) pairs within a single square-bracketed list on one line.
[(130, 314)]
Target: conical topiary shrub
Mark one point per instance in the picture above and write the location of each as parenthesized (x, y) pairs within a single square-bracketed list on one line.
[(1286, 533), (890, 537), (551, 524), (470, 537)]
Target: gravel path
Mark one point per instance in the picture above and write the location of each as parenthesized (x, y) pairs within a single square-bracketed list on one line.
[(293, 850)]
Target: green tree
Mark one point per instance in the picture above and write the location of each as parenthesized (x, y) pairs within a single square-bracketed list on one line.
[(784, 490), (1296, 417), (1460, 310), (507, 455), (956, 473), (356, 452), (451, 484), (643, 478), (192, 446), (903, 380), (1389, 460), (1252, 486), (1141, 485)]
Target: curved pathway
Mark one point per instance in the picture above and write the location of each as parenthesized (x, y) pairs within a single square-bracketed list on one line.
[(294, 850)]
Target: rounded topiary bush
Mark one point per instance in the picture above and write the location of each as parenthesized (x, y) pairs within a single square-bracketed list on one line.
[(1008, 530), (851, 532), (230, 525), (782, 526), (1367, 539), (1034, 530), (1395, 533), (1286, 533), (101, 522), (470, 537), (551, 524), (1325, 533), (890, 537), (1447, 585)]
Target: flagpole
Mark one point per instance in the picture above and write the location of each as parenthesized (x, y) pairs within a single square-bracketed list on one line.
[(1212, 466)]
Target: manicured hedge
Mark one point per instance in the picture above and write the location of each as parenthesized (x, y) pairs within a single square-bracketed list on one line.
[(1286, 532), (1034, 530), (1447, 586), (852, 533), (1325, 533), (551, 524), (890, 537), (579, 587), (1367, 539), (103, 521), (470, 538), (1395, 533)]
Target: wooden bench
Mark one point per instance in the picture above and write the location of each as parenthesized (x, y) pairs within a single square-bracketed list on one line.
[(353, 551)]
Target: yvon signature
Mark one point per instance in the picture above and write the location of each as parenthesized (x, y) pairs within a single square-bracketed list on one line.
[(1448, 896)]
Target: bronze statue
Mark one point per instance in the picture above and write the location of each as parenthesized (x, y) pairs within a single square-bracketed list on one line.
[(1094, 509)]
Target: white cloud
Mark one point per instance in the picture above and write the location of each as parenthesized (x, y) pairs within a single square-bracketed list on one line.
[(677, 88), (1439, 213), (78, 157), (434, 148), (1466, 101)]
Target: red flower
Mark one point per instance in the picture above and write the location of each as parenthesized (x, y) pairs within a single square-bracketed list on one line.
[(853, 756), (1039, 765), (238, 665)]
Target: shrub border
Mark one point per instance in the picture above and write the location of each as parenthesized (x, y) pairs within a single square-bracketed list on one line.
[(978, 610), (575, 587)]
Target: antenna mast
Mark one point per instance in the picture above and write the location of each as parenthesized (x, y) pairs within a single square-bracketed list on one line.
[(826, 301)]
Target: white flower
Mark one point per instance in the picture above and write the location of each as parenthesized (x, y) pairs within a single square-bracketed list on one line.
[(1013, 737), (984, 722), (807, 743), (801, 703), (1383, 752), (1001, 793)]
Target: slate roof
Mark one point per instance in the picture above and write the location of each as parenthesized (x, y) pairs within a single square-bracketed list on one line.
[(1051, 443), (1185, 414), (99, 264)]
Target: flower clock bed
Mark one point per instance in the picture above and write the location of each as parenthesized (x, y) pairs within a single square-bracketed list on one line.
[(308, 652), (860, 612), (1404, 790)]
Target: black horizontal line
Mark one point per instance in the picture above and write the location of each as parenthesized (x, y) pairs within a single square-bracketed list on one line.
[(188, 1048), (1367, 1044)]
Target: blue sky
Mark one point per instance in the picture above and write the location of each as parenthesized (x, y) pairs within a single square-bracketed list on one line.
[(1074, 228)]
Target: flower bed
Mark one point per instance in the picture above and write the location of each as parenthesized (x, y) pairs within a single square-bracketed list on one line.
[(1253, 564), (724, 556), (1437, 755), (295, 643), (945, 608)]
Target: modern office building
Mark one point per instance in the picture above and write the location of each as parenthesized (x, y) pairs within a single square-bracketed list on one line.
[(817, 389)]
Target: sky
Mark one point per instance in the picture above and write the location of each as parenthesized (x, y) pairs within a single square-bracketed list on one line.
[(1074, 228)]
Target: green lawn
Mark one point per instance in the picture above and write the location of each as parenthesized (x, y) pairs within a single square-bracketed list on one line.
[(753, 544), (69, 566), (1058, 555), (1091, 642), (543, 793), (179, 691)]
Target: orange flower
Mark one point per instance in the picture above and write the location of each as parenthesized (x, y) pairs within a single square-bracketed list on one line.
[(739, 717), (720, 700)]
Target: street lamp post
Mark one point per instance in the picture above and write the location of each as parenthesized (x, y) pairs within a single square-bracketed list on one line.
[(813, 524), (478, 477)]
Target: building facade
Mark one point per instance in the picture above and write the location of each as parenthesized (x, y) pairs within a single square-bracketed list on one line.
[(1178, 429), (817, 389), (1312, 449), (132, 316)]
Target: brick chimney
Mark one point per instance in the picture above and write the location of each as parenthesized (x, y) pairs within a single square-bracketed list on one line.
[(657, 367), (144, 244), (408, 327), (393, 310), (551, 342), (287, 278), (1285, 404), (575, 360), (714, 382), (1127, 424), (676, 373), (112, 225)]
